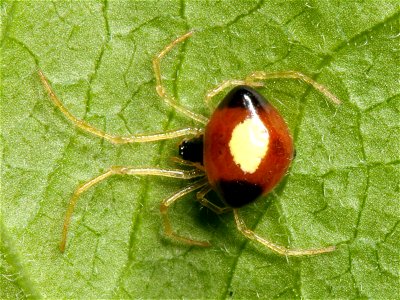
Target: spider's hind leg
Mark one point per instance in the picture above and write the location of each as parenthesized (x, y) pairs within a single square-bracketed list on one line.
[(261, 75), (250, 234), (254, 80)]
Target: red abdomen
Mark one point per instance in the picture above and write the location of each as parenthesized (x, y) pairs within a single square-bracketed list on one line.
[(247, 147)]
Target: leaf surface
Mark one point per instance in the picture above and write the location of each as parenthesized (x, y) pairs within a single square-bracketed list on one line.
[(342, 188)]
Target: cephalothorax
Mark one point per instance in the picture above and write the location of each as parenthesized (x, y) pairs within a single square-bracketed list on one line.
[(243, 152)]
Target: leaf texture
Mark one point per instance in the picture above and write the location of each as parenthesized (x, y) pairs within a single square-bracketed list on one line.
[(342, 188)]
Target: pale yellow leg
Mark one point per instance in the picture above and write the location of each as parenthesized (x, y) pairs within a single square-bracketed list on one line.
[(160, 88), (183, 162), (120, 170), (229, 83), (205, 202), (164, 213), (274, 247), (261, 75), (141, 138), (253, 80)]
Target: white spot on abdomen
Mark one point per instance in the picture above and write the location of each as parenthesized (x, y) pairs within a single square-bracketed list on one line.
[(249, 144)]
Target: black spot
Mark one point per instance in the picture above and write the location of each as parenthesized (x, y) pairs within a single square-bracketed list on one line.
[(237, 193), (192, 150), (243, 97)]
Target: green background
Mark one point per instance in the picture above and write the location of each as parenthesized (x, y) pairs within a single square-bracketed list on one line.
[(342, 188)]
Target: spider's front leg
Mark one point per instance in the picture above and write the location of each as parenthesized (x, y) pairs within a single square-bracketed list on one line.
[(120, 170)]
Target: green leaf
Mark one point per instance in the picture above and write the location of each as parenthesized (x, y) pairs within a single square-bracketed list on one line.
[(342, 188)]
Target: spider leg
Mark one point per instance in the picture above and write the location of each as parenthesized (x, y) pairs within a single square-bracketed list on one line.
[(119, 170), (200, 196), (261, 75), (229, 83), (161, 89), (164, 213), (254, 78), (241, 226), (140, 138)]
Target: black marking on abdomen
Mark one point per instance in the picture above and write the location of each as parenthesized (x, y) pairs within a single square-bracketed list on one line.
[(243, 97), (237, 193)]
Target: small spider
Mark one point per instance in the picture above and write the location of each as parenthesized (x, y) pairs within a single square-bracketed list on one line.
[(242, 153)]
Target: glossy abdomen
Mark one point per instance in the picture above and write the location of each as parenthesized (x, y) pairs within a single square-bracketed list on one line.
[(247, 147)]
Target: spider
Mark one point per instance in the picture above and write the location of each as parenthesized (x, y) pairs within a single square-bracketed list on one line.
[(242, 153)]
